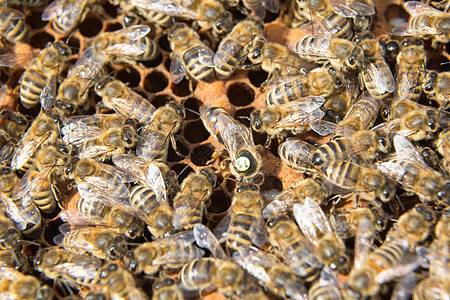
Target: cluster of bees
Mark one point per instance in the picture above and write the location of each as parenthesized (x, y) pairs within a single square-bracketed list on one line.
[(362, 121)]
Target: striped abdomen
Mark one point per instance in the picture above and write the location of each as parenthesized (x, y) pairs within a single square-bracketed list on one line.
[(371, 85), (143, 199), (238, 234), (188, 211), (362, 114), (333, 150), (386, 257), (12, 26), (298, 13), (46, 199), (296, 153), (231, 60), (288, 91), (33, 82), (198, 274), (338, 25), (209, 116), (195, 68), (161, 19), (344, 174)]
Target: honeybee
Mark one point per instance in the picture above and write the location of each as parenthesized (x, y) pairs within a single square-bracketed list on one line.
[(43, 131), (327, 287), (111, 142), (435, 86), (362, 114), (190, 55), (294, 116), (12, 125), (38, 82), (166, 121), (118, 283), (284, 202), (411, 69), (297, 153), (443, 148), (244, 224), (166, 288), (319, 82), (23, 2), (9, 234), (22, 211), (72, 93), (209, 273), (321, 47), (414, 122), (277, 277), (365, 181), (78, 129), (103, 243), (13, 27), (425, 21), (170, 252), (89, 212), (190, 203), (235, 138), (234, 48), (277, 60), (345, 223), (127, 45), (16, 285), (376, 74), (117, 96), (334, 14), (329, 248), (390, 49), (360, 147), (413, 174), (294, 248), (14, 260), (373, 269), (73, 269), (414, 225), (66, 15)]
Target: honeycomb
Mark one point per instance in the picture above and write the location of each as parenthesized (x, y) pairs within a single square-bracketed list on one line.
[(239, 95)]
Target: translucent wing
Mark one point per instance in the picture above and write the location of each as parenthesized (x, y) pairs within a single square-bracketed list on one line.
[(207, 240), (228, 48), (95, 150), (32, 182), (177, 69), (300, 118), (330, 283), (251, 260), (54, 9), (206, 56), (87, 66), (417, 8), (22, 215), (167, 7), (81, 242), (152, 142), (75, 133), (311, 220), (323, 128), (48, 94), (365, 235), (352, 8), (406, 81), (407, 266), (155, 181), (271, 5), (186, 207), (406, 151), (128, 106), (380, 74), (404, 288), (73, 217), (131, 48), (7, 13), (134, 32), (87, 270), (234, 135), (134, 165), (27, 148)]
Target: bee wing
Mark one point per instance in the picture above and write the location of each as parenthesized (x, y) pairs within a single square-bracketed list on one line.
[(177, 69), (54, 9), (134, 32), (417, 8), (406, 81), (155, 181), (311, 220), (97, 186), (407, 266), (206, 56), (324, 128), (48, 94), (381, 76), (10, 60), (188, 206), (75, 133), (403, 289), (365, 235), (300, 118), (221, 230), (352, 8), (227, 48), (88, 269), (87, 66), (134, 165), (74, 217), (10, 13), (3, 92), (389, 126), (65, 11), (254, 261), (80, 242), (20, 214), (207, 240), (167, 7), (406, 151), (234, 135), (125, 105), (283, 202), (303, 150), (32, 182), (130, 48), (26, 150), (271, 5), (152, 143), (95, 150)]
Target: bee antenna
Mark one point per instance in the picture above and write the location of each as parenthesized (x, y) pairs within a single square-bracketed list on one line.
[(30, 243), (71, 35), (183, 170), (445, 63), (243, 117), (191, 110)]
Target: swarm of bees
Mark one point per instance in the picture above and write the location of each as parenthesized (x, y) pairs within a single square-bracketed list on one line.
[(219, 149)]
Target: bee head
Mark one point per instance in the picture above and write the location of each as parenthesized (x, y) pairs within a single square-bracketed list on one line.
[(117, 248), (210, 175)]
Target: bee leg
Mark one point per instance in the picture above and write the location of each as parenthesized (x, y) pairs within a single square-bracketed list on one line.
[(174, 145), (356, 200)]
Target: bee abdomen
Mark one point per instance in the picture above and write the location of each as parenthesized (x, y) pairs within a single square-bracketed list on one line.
[(195, 68), (32, 85)]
